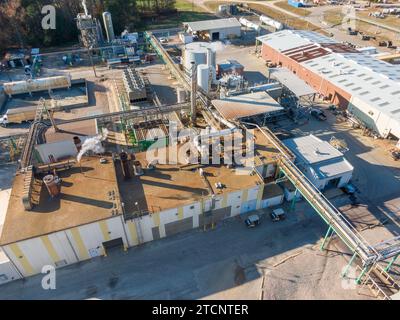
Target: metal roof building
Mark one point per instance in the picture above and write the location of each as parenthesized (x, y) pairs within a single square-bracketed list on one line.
[(247, 105), (320, 161), (368, 87), (217, 29)]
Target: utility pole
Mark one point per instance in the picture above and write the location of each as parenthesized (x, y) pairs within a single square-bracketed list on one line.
[(193, 92)]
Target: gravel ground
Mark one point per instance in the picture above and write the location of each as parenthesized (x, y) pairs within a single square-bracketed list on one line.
[(312, 275)]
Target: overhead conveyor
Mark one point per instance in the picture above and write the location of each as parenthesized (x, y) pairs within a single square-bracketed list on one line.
[(329, 213)]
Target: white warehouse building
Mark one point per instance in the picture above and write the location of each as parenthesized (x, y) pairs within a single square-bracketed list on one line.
[(323, 164), (213, 30), (367, 87)]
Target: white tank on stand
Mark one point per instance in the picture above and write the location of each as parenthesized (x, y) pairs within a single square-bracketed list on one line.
[(249, 24), (108, 25), (271, 22)]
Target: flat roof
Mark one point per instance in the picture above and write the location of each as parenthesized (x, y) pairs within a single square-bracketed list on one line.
[(265, 151), (298, 86), (213, 24), (72, 97), (230, 178), (376, 83), (69, 130), (289, 39), (174, 185), (321, 157), (311, 149), (84, 198), (373, 83), (166, 187), (332, 168), (246, 105)]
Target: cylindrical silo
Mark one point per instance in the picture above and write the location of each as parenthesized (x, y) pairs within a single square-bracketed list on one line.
[(203, 75), (108, 25), (197, 52)]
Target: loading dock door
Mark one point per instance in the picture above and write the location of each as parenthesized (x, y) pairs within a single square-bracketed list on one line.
[(178, 226), (114, 243), (215, 36)]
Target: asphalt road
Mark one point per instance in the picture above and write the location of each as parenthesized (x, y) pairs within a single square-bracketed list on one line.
[(191, 265)]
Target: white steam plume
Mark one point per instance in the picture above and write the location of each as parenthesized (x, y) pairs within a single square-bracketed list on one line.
[(93, 144)]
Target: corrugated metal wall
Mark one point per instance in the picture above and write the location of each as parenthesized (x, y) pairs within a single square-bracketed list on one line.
[(85, 242)]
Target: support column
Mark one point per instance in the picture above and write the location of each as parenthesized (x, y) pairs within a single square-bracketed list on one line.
[(193, 92), (389, 266), (364, 270), (344, 274), (327, 235), (293, 205)]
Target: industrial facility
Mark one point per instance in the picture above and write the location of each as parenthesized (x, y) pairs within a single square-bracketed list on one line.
[(367, 87)]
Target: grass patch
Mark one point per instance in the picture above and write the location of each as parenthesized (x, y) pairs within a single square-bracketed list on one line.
[(292, 22), (390, 20), (335, 18), (186, 12), (188, 5), (285, 6)]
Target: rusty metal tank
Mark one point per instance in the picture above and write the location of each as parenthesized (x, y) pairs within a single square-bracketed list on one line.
[(52, 184)]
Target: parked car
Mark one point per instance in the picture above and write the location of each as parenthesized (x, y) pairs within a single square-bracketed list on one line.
[(252, 221), (163, 40), (395, 155), (349, 188), (352, 32), (318, 114), (278, 215)]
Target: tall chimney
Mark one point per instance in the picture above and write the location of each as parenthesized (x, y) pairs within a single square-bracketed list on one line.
[(193, 92)]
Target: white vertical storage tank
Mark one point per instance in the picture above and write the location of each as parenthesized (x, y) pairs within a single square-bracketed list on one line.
[(197, 52), (108, 25), (203, 74)]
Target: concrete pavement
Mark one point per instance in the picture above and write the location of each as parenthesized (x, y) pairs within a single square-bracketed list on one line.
[(226, 262)]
